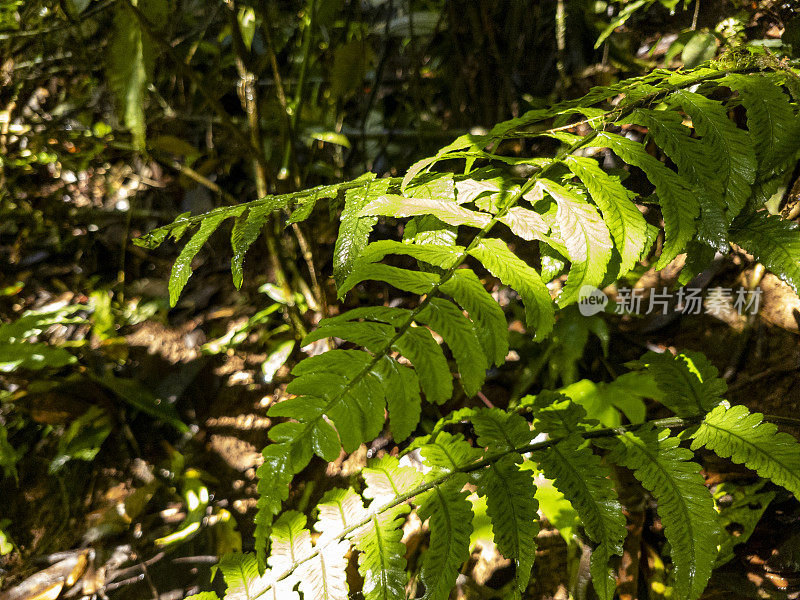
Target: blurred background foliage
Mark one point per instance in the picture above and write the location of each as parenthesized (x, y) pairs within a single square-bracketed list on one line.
[(134, 430)]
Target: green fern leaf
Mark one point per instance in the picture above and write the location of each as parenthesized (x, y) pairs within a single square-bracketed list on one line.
[(772, 241), (447, 211), (527, 224), (443, 256), (525, 280), (241, 575), (448, 453), (416, 282), (742, 436), (556, 414), (499, 430), (770, 119), (355, 406), (243, 582), (401, 388), (245, 231), (382, 562), (183, 222), (338, 362), (690, 384), (182, 268), (678, 201), (459, 333), (290, 542), (511, 505), (691, 524), (386, 481), (419, 347), (586, 482), (466, 289), (203, 596), (322, 576), (339, 509), (450, 515), (274, 477), (400, 383), (354, 229), (586, 238), (698, 163), (721, 138), (373, 336), (625, 222), (131, 61)]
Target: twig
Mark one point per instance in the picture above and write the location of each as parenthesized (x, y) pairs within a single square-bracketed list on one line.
[(297, 104), (195, 79)]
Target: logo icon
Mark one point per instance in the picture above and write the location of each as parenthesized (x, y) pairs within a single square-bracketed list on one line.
[(592, 301)]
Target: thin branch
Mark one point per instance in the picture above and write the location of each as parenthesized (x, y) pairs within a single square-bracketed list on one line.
[(195, 79)]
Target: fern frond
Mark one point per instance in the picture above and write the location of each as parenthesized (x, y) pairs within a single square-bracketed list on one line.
[(499, 430), (382, 562), (690, 384), (386, 480), (586, 238), (556, 414), (722, 139), (274, 477), (447, 211), (525, 280), (246, 229), (243, 582), (339, 510), (337, 361), (419, 347), (447, 453), (323, 576), (131, 61), (773, 241), (416, 282), (290, 542), (466, 289), (691, 524), (678, 201), (586, 482), (697, 164), (443, 256), (770, 119), (354, 229), (182, 267), (527, 224), (624, 221), (458, 333), (511, 505), (746, 439), (373, 336), (450, 515), (355, 405), (401, 388)]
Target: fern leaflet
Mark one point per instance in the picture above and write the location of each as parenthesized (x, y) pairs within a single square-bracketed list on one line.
[(580, 475), (512, 507), (450, 515), (743, 437), (686, 509)]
